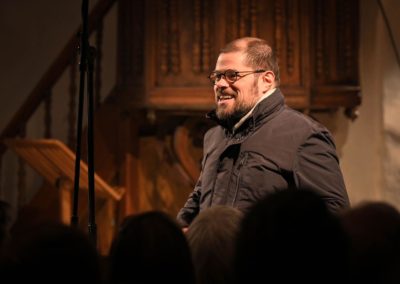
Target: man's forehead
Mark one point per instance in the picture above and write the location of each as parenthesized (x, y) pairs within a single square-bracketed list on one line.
[(230, 59)]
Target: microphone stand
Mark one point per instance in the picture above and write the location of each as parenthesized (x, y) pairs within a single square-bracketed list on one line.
[(86, 67)]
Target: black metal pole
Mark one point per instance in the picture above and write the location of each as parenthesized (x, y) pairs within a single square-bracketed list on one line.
[(92, 211), (86, 68), (83, 48)]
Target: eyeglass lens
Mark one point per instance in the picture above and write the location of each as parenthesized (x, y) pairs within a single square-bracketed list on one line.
[(230, 76)]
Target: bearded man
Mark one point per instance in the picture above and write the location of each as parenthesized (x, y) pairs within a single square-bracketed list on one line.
[(260, 145)]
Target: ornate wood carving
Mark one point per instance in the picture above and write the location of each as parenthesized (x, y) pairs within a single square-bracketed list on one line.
[(241, 18), (336, 42), (253, 18), (206, 40), (288, 41), (316, 43), (291, 16), (201, 43), (335, 79), (231, 18), (170, 50), (187, 145), (174, 38), (197, 36), (247, 15), (279, 28), (320, 31), (164, 47), (347, 40), (169, 152)]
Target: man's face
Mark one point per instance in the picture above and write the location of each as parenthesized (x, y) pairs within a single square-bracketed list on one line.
[(235, 99)]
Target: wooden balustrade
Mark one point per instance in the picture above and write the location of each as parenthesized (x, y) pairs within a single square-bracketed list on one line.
[(42, 97)]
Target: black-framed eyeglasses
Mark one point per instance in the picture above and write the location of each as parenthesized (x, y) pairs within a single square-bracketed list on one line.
[(231, 76)]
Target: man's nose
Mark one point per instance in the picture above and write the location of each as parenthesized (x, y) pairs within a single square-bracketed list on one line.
[(221, 83)]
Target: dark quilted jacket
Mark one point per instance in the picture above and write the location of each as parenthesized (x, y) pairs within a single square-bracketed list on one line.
[(276, 148)]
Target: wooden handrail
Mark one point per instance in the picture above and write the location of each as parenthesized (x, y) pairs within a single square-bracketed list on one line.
[(53, 160), (51, 76)]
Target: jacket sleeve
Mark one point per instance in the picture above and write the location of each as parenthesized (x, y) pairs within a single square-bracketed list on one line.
[(191, 207), (316, 167)]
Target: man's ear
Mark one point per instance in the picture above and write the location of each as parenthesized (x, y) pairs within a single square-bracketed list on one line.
[(268, 79)]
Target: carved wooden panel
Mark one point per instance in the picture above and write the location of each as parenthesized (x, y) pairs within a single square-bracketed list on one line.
[(169, 152), (168, 47), (182, 42), (334, 45), (290, 41)]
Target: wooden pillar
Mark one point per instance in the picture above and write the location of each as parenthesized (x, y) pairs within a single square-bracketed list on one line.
[(64, 186)]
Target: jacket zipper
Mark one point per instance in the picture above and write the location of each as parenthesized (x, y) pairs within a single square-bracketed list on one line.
[(242, 162)]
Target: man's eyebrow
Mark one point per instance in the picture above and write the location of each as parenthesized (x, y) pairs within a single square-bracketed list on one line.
[(223, 70)]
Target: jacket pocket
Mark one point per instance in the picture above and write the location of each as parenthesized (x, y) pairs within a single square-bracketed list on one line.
[(257, 177)]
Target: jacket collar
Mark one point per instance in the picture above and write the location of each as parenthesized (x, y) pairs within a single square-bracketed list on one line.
[(244, 118)]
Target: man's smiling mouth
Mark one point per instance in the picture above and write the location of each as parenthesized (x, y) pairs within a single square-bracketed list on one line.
[(224, 97)]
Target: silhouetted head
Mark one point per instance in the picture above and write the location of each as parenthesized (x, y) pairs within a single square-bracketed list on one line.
[(150, 248), (55, 253), (374, 231), (5, 222), (212, 239), (290, 236)]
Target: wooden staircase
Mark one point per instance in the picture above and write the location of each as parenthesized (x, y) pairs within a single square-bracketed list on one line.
[(52, 159)]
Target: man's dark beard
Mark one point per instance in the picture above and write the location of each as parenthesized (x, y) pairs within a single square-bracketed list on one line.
[(228, 121)]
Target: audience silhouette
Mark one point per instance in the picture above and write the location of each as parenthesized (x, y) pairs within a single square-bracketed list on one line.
[(212, 239), (150, 248), (374, 231), (291, 237), (5, 223), (51, 253)]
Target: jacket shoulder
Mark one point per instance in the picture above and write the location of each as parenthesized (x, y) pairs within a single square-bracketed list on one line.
[(300, 123)]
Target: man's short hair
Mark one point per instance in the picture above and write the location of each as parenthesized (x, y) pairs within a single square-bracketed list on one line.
[(259, 54)]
